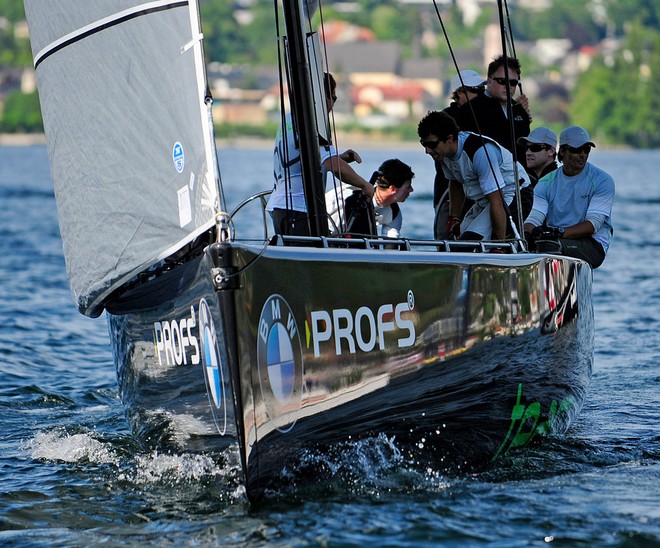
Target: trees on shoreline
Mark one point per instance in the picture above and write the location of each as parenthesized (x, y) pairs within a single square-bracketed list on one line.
[(615, 97)]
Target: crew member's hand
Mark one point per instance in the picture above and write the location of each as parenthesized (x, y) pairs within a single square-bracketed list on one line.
[(550, 233), (350, 155), (453, 227), (368, 191), (531, 237), (523, 101)]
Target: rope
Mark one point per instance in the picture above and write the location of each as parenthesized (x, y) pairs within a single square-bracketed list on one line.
[(476, 122)]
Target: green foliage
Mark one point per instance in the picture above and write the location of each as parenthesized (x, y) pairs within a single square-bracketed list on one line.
[(21, 114), (232, 131), (14, 52), (616, 100), (224, 39), (394, 23), (645, 13), (565, 19), (12, 10)]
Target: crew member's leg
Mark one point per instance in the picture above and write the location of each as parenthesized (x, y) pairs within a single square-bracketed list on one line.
[(290, 222), (587, 249)]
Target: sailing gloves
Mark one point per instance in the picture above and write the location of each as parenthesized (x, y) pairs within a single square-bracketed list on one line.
[(544, 239)]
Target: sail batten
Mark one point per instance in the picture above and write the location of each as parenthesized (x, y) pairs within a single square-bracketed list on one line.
[(102, 24), (130, 142)]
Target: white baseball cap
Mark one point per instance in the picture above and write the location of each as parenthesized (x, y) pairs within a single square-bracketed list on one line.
[(471, 79), (575, 136), (540, 136)]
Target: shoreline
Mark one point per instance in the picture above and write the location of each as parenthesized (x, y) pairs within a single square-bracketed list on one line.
[(346, 140), (356, 141), (22, 139)]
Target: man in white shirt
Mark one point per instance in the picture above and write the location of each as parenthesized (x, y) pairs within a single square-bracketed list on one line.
[(477, 168), (286, 205), (573, 204)]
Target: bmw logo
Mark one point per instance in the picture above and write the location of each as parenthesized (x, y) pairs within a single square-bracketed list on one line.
[(279, 355)]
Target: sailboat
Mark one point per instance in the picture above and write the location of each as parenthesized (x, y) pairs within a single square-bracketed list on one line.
[(276, 346)]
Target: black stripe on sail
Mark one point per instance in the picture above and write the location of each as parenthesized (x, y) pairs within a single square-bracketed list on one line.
[(107, 25)]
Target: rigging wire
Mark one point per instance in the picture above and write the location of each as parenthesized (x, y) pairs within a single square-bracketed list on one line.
[(509, 111), (476, 122), (328, 133), (283, 72), (337, 186), (510, 41)]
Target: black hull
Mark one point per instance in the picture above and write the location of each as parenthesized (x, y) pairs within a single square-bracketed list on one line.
[(466, 354)]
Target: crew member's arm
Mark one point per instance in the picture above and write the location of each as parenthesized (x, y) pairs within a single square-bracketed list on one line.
[(349, 155), (580, 230), (487, 162), (346, 174), (523, 101), (456, 198), (497, 216)]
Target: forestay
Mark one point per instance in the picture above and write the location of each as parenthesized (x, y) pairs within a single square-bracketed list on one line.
[(130, 141)]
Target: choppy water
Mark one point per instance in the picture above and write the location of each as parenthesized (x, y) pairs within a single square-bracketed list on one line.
[(71, 475)]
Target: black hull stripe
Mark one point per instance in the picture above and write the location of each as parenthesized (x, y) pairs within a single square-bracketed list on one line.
[(122, 17)]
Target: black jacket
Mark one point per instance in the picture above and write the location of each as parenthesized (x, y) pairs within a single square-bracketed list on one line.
[(493, 123)]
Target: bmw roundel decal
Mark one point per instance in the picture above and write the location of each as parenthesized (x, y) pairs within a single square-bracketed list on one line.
[(279, 356), (213, 374)]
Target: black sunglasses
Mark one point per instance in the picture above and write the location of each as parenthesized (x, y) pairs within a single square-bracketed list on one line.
[(432, 144), (502, 81), (429, 144), (584, 148), (536, 148)]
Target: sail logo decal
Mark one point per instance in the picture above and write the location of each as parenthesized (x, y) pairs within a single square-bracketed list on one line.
[(280, 363), (213, 371), (175, 342), (363, 329), (178, 157)]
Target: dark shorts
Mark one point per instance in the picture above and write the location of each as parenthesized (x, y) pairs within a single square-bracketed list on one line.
[(289, 222), (587, 249)]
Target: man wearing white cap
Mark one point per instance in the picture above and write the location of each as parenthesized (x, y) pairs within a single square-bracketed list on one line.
[(573, 204), (540, 152), (465, 86)]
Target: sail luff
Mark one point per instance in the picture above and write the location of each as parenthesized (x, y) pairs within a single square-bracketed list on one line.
[(122, 91), (206, 118)]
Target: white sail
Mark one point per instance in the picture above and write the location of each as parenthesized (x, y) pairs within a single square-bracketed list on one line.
[(122, 88)]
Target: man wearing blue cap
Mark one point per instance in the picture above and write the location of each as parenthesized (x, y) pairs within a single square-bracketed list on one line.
[(573, 204)]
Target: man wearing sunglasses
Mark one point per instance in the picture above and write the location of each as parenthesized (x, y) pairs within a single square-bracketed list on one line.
[(488, 113), (465, 86), (540, 152), (478, 169), (572, 212)]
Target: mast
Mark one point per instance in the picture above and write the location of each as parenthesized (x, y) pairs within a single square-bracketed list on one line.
[(304, 115)]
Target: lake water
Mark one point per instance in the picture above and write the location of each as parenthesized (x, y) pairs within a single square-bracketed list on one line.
[(71, 475)]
